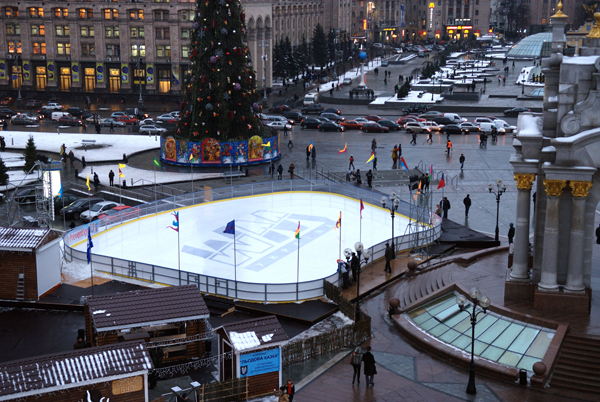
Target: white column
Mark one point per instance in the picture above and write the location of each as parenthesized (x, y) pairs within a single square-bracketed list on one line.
[(520, 269), (580, 191), (554, 189)]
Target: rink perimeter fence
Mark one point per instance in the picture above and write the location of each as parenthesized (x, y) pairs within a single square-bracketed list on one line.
[(229, 288)]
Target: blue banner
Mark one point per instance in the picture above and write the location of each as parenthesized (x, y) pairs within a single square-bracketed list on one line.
[(257, 363), (402, 15)]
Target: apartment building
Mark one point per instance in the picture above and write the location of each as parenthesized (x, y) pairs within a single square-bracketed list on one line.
[(379, 21)]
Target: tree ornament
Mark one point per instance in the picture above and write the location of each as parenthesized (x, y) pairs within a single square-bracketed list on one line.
[(223, 31), (208, 107), (213, 59), (237, 86)]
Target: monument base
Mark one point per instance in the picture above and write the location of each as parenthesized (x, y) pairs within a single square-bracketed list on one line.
[(564, 302), (517, 290)]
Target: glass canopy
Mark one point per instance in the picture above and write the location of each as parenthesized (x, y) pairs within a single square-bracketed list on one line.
[(532, 47)]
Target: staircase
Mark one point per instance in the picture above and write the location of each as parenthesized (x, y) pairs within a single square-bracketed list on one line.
[(21, 284), (578, 366), (424, 284)]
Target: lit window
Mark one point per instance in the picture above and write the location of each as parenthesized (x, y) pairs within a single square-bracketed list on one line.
[(185, 33), (13, 29), (88, 49), (163, 51), (111, 14), (39, 47), (63, 49), (36, 12), (185, 51), (38, 30), (138, 50), (14, 47), (137, 32), (85, 31), (112, 32)]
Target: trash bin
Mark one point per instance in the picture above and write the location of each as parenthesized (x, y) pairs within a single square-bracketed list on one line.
[(523, 377), (124, 183), (124, 158)]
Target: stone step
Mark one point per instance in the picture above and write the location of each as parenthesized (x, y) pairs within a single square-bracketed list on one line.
[(569, 358), (578, 375), (584, 386), (583, 350)]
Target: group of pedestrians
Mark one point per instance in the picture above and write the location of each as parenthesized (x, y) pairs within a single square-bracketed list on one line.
[(358, 358)]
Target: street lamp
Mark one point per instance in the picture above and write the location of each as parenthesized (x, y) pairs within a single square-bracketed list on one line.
[(264, 58), (392, 208), (500, 189), (358, 246), (19, 77), (477, 300), (139, 68)]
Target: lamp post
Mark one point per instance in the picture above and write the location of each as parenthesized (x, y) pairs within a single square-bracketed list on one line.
[(19, 77), (392, 208), (358, 246), (139, 68), (500, 189), (477, 300), (264, 44), (522, 88)]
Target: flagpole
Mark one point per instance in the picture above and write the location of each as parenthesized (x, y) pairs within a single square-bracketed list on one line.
[(340, 253), (192, 170), (154, 169), (298, 273), (360, 231), (234, 265), (178, 252), (92, 275)]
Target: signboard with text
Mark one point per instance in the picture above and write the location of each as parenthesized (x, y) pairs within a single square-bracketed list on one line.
[(252, 364)]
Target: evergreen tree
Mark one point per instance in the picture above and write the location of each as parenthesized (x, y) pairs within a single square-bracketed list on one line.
[(278, 60), (30, 154), (331, 48), (3, 173), (319, 47), (220, 99), (404, 90), (301, 57), (290, 63)]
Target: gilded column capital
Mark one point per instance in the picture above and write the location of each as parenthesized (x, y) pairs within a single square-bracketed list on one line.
[(554, 187), (580, 188), (524, 180)]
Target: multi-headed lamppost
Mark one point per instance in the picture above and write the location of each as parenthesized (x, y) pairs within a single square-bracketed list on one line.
[(500, 189), (358, 246), (392, 208), (477, 300)]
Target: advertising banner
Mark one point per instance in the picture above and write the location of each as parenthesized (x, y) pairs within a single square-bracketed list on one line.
[(252, 364), (26, 70), (99, 73), (75, 71), (51, 71), (124, 73), (174, 74), (150, 74), (3, 75), (402, 23)]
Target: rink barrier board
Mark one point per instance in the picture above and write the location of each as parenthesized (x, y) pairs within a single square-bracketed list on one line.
[(270, 293)]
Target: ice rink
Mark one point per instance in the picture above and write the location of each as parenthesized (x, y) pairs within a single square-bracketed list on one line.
[(266, 249)]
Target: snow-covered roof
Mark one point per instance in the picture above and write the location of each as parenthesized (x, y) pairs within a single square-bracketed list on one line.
[(255, 333), (528, 126), (25, 239), (581, 60), (60, 371)]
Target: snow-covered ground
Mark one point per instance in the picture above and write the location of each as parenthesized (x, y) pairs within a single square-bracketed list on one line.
[(526, 76), (412, 97), (16, 177)]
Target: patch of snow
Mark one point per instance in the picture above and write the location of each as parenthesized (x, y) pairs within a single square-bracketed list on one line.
[(99, 312), (553, 110), (549, 149), (141, 177), (244, 340), (580, 60), (335, 321), (553, 99), (528, 126), (267, 338)]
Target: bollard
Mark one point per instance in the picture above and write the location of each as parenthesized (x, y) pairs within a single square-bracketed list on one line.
[(125, 183), (523, 377)]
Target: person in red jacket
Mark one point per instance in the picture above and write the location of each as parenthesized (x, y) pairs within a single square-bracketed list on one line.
[(289, 389)]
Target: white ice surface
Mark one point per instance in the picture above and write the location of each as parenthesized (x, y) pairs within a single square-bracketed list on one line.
[(266, 250), (142, 177)]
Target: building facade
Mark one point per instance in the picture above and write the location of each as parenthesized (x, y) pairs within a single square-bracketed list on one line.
[(378, 21)]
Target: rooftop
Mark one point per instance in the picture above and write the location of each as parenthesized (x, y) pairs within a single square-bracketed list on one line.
[(255, 333), (532, 47), (25, 239), (140, 308)]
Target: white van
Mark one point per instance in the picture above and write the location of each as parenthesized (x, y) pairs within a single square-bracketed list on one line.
[(311, 97), (456, 119), (57, 115), (487, 128)]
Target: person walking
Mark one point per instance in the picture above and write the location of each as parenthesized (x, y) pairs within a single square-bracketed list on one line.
[(354, 266), (389, 256), (307, 152), (369, 368), (285, 130), (462, 161), (96, 181), (112, 127), (2, 144), (467, 202), (395, 157), (414, 139), (370, 178), (373, 145), (5, 125), (358, 178), (430, 138), (291, 170), (356, 361), (343, 269), (351, 165), (83, 162), (289, 389), (511, 233), (448, 147), (111, 178), (279, 172), (375, 163), (445, 205), (71, 157), (313, 152)]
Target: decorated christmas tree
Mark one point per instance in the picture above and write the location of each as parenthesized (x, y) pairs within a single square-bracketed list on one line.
[(220, 99)]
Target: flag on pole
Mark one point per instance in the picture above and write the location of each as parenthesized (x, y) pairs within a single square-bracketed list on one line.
[(310, 147), (60, 192), (191, 156), (175, 226), (267, 145), (418, 190), (371, 158), (442, 182), (156, 163), (87, 183), (230, 228), (121, 166), (338, 224), (403, 162), (341, 151), (430, 172), (297, 234), (362, 206), (89, 245)]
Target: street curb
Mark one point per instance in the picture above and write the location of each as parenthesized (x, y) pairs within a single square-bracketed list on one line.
[(335, 360)]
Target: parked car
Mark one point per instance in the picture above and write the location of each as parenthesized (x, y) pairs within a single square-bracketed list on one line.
[(416, 108), (166, 117), (53, 106), (312, 108), (295, 116), (76, 111), (22, 119), (331, 126), (74, 210), (384, 63), (114, 115), (25, 196), (333, 117), (514, 112), (507, 127), (114, 211), (149, 121), (61, 202), (468, 127), (405, 119), (452, 129), (489, 127), (443, 120), (455, 118), (416, 127), (433, 126), (332, 110), (351, 125), (106, 122), (279, 125), (311, 123), (127, 119), (7, 113), (373, 117), (6, 101), (134, 111), (47, 114), (152, 129), (431, 114), (347, 81), (97, 209), (280, 108), (478, 120), (69, 121), (373, 127), (33, 103), (361, 120), (389, 124)]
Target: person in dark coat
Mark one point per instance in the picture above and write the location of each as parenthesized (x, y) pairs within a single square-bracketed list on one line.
[(598, 235), (83, 162), (80, 344), (289, 389), (5, 125), (112, 127), (313, 153), (291, 170), (462, 161), (370, 178), (511, 233), (467, 202), (389, 255), (356, 362), (445, 205), (343, 270), (369, 369), (358, 178), (71, 157), (307, 152), (354, 266), (279, 172), (2, 144), (96, 181), (111, 178)]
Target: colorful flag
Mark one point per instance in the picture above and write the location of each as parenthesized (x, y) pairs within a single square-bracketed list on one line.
[(372, 157), (442, 182), (267, 145), (338, 224), (230, 228), (430, 172), (191, 156), (297, 234), (60, 192), (89, 245), (403, 162), (175, 226), (121, 166), (87, 183), (341, 151), (156, 163), (310, 147), (362, 206), (418, 190)]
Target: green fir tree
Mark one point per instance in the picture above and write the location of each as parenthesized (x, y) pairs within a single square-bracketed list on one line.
[(331, 45), (301, 57), (220, 99), (278, 60), (290, 63), (3, 173), (30, 154), (319, 47)]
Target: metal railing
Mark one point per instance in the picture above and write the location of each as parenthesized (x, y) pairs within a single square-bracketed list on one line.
[(259, 292)]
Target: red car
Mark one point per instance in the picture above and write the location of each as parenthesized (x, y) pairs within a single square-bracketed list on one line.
[(7, 101), (127, 119), (403, 120), (351, 125), (373, 117), (373, 127)]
